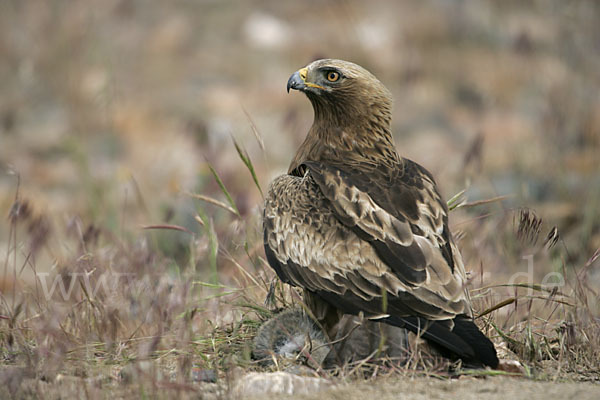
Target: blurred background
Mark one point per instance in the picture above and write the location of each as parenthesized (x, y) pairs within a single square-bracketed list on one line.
[(112, 111)]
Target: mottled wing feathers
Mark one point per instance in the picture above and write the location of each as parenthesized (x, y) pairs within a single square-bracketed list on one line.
[(401, 215), (356, 252), (363, 258), (391, 237)]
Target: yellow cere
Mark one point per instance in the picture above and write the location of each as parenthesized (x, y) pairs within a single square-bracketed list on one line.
[(303, 72)]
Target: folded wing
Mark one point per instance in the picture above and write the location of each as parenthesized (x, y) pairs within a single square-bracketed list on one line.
[(369, 242)]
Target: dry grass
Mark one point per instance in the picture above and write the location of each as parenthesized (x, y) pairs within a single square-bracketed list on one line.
[(118, 300), (123, 186)]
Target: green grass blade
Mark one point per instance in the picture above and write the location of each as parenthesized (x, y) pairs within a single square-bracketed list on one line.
[(248, 163), (213, 201), (210, 285), (495, 307), (456, 200), (213, 241), (224, 190), (257, 134)]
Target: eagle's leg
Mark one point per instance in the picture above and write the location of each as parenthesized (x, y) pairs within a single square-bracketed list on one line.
[(326, 315)]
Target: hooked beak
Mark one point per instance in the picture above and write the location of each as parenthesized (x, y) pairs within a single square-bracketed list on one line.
[(298, 81)]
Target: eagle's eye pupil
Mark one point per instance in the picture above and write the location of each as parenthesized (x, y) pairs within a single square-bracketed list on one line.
[(333, 76)]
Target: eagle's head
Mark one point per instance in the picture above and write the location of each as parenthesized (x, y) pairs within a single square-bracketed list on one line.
[(342, 92)]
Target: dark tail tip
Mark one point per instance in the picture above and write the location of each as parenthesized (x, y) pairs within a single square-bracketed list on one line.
[(465, 341), (484, 349)]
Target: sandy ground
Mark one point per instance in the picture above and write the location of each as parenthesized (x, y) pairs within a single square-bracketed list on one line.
[(382, 389), (465, 389)]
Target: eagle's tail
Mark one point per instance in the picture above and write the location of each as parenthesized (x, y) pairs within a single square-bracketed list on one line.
[(465, 340)]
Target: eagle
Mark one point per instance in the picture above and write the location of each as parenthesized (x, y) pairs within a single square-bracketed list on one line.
[(362, 230)]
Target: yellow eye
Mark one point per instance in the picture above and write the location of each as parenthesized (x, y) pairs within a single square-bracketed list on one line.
[(333, 76)]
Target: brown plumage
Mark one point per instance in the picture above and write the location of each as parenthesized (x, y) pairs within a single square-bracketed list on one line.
[(361, 229)]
